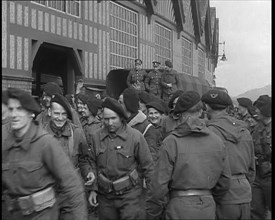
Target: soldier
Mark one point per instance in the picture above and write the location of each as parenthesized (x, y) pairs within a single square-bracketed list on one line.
[(33, 162), (171, 121), (193, 167), (152, 80), (261, 188), (136, 77), (117, 150), (244, 109), (239, 145), (49, 90), (81, 100), (169, 81), (72, 140)]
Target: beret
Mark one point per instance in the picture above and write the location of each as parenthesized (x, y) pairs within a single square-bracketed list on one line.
[(26, 100), (83, 98), (138, 61), (263, 103), (144, 97), (168, 63), (131, 100), (217, 99), (156, 105), (93, 105), (52, 88), (5, 97), (115, 106), (186, 101), (245, 102), (173, 97), (61, 100)]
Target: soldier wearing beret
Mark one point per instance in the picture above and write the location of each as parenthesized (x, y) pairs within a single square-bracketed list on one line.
[(72, 140), (245, 108), (49, 90), (33, 163), (169, 81), (117, 150), (239, 145), (193, 167), (136, 77), (152, 80), (262, 137)]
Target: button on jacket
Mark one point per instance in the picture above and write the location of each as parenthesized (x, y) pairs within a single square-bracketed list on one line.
[(117, 157), (38, 162)]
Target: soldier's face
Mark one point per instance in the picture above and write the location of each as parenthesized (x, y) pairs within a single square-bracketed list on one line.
[(154, 116), (111, 120), (242, 110), (46, 100), (58, 114), (80, 106), (85, 111), (20, 118), (138, 66)]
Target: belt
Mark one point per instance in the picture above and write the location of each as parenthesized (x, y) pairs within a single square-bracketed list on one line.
[(238, 176), (190, 192)]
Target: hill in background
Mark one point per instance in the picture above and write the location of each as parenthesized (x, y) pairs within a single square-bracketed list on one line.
[(253, 94)]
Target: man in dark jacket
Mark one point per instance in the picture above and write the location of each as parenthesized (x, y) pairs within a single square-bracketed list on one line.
[(73, 142), (117, 151), (169, 81), (239, 145), (262, 137), (135, 78), (193, 167), (33, 163), (153, 79)]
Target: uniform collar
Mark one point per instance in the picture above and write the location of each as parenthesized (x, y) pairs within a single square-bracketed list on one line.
[(122, 133), (66, 132)]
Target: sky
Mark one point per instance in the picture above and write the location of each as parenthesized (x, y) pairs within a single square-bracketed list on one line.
[(245, 26)]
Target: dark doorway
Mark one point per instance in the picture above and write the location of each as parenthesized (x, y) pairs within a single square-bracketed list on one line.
[(54, 63)]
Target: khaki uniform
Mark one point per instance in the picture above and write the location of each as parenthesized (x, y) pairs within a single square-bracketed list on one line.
[(166, 78), (89, 126), (153, 83), (261, 188), (136, 77), (194, 159), (240, 148), (36, 163), (119, 192), (250, 122)]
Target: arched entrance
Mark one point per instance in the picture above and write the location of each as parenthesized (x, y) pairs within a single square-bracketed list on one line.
[(55, 63)]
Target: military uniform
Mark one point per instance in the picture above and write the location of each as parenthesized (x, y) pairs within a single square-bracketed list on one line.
[(136, 77), (153, 83), (261, 188), (34, 165), (169, 77), (89, 126)]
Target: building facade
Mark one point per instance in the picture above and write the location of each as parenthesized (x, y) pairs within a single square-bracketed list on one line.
[(62, 41)]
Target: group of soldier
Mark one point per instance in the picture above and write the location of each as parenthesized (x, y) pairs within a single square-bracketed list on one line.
[(155, 152)]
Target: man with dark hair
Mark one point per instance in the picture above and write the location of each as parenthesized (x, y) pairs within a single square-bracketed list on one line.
[(169, 81), (239, 145), (192, 167), (262, 136), (135, 78), (73, 142), (152, 80), (117, 150), (33, 163)]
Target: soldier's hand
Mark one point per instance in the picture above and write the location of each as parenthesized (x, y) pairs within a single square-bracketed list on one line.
[(90, 179), (92, 199)]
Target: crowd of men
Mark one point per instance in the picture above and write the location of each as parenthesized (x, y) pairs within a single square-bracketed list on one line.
[(156, 152)]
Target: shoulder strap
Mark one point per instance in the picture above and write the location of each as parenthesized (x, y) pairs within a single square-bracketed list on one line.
[(146, 129)]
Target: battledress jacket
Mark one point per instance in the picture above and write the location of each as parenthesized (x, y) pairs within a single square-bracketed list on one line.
[(170, 77), (191, 157), (38, 162), (136, 77), (116, 162), (240, 148), (153, 82)]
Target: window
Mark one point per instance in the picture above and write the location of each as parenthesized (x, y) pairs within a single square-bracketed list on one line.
[(163, 45), (123, 36), (187, 56), (71, 7), (201, 56)]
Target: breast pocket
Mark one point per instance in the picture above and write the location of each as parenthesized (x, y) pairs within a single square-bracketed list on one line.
[(125, 158), (31, 173)]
